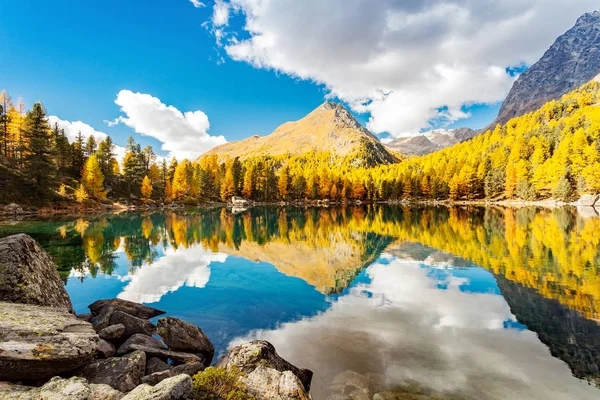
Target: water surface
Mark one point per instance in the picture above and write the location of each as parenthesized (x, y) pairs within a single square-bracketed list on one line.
[(476, 303)]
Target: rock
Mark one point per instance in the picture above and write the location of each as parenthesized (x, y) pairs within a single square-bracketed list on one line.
[(588, 200), (175, 388), (77, 388), (132, 324), (58, 388), (357, 385), (269, 384), (189, 368), (141, 339), (128, 307), (40, 342), (13, 209), (183, 336), (587, 212), (106, 349), (112, 333), (18, 392), (102, 320), (155, 364), (28, 275), (174, 355), (85, 317), (156, 377), (248, 356), (120, 373)]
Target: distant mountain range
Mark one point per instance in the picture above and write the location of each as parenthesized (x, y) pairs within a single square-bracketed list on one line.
[(431, 141), (571, 61), (330, 127)]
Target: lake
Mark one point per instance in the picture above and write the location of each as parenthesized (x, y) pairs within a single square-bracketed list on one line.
[(437, 302)]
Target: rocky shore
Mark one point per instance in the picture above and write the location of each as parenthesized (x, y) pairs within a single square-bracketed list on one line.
[(115, 351)]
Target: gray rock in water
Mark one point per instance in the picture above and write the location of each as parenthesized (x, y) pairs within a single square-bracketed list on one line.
[(28, 275), (174, 355), (141, 339), (40, 342), (13, 209), (269, 384), (155, 364), (113, 332), (175, 388), (248, 356), (588, 200), (128, 307), (183, 336), (106, 349), (120, 373), (132, 324)]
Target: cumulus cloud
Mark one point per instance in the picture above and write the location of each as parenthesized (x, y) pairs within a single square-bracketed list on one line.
[(183, 135), (189, 267), (400, 61), (403, 326), (73, 128)]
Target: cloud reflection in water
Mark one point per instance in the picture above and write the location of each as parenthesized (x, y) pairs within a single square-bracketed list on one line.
[(402, 325)]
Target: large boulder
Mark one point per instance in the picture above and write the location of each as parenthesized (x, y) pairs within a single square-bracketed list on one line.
[(120, 373), (141, 339), (132, 324), (58, 388), (269, 384), (40, 342), (106, 349), (175, 388), (13, 209), (28, 276), (249, 356), (589, 200), (77, 388), (128, 307), (182, 336)]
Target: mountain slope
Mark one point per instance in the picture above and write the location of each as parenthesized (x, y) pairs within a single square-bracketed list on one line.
[(330, 127), (571, 61), (430, 142)]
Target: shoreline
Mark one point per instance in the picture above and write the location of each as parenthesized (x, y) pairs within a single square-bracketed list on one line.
[(118, 207)]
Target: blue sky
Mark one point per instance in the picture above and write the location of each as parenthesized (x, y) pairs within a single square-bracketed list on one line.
[(77, 56)]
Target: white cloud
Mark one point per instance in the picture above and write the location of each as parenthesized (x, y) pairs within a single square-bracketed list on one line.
[(73, 128), (197, 4), (401, 61), (189, 267), (183, 135), (408, 329)]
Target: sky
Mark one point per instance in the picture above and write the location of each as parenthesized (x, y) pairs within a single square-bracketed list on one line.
[(185, 75)]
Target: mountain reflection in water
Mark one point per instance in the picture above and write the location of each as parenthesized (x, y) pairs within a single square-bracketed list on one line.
[(482, 303)]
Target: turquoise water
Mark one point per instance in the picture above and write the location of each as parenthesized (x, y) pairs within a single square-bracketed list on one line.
[(372, 290)]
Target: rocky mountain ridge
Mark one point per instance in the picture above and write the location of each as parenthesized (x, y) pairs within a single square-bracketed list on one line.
[(572, 60), (431, 141)]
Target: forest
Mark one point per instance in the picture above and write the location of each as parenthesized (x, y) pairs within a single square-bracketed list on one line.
[(553, 152)]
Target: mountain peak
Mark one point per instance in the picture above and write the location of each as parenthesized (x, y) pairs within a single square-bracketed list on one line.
[(572, 60), (329, 127)]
